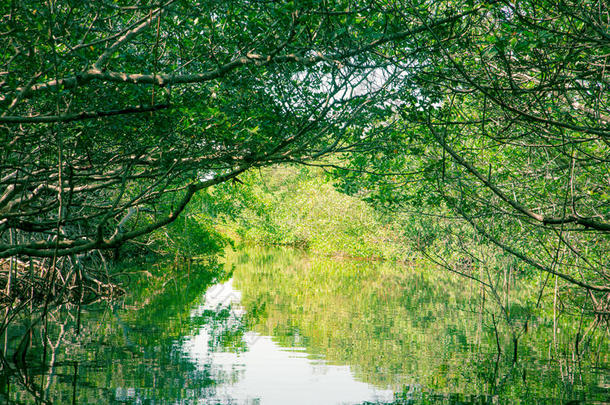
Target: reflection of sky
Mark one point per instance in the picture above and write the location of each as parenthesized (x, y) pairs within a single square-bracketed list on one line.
[(269, 374)]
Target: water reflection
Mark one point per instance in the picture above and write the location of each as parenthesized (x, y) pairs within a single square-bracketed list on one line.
[(266, 372), (278, 326)]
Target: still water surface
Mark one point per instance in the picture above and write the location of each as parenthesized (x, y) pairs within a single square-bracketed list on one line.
[(266, 371), (281, 327)]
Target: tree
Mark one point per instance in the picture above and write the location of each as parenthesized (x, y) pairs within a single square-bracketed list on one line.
[(114, 114), (504, 122), (106, 112)]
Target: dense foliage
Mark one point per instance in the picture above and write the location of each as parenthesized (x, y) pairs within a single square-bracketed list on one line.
[(299, 206), (110, 109), (502, 126), (113, 115)]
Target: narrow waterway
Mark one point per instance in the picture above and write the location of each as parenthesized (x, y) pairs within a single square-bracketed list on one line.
[(276, 326)]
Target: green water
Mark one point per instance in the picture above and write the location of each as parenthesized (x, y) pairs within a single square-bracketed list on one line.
[(282, 327)]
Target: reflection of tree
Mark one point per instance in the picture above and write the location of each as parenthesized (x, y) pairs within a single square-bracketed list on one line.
[(382, 321), (127, 351), (404, 327)]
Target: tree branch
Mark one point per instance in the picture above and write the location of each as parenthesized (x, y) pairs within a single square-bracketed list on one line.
[(96, 73), (85, 115), (586, 222)]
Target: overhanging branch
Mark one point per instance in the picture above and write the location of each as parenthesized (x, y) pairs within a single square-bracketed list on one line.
[(583, 221), (85, 115), (96, 72)]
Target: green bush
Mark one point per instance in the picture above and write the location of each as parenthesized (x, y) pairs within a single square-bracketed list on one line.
[(299, 206)]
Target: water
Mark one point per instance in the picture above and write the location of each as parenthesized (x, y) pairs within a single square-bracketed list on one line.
[(267, 371), (282, 327)]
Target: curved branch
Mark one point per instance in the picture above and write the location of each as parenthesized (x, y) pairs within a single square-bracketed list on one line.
[(586, 222), (528, 260), (97, 73), (63, 248)]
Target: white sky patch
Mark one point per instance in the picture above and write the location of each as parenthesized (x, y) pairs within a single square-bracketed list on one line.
[(267, 373)]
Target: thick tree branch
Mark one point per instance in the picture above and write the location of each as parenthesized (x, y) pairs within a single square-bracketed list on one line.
[(125, 38), (527, 259), (67, 247), (96, 73), (85, 115)]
